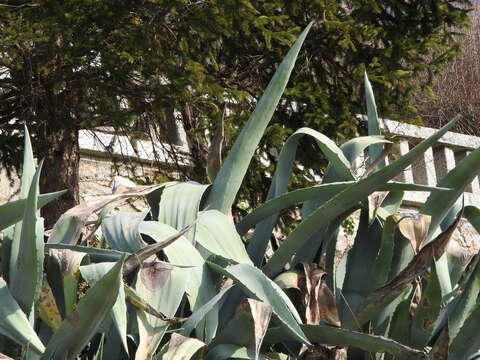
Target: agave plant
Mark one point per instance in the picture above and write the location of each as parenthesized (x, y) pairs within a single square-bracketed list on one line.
[(182, 281)]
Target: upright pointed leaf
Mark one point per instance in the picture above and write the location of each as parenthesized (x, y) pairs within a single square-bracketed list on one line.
[(466, 343), (93, 273), (14, 323), (228, 180), (464, 305), (373, 121), (26, 270), (82, 324)]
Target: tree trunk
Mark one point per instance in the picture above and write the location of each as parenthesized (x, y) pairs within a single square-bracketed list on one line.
[(198, 149), (61, 153)]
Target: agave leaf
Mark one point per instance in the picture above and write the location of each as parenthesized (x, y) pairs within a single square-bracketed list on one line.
[(373, 121), (68, 228), (400, 326), (12, 211), (28, 171), (438, 205), (238, 330), (14, 323), (255, 284), (162, 286), (353, 148), (440, 348), (465, 343), (380, 274), (82, 324), (383, 261), (228, 180), (47, 308), (69, 264), (121, 231), (96, 254), (358, 280), (318, 191), (181, 347), (198, 315), (180, 203), (93, 273), (329, 335), (199, 285), (343, 201), (390, 204), (418, 266), (216, 233), (462, 308), (427, 312), (26, 270), (99, 354)]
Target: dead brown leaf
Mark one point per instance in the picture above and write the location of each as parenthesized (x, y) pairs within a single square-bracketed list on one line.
[(318, 299), (261, 313), (414, 227)]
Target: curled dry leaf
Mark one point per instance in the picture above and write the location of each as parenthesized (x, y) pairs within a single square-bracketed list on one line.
[(261, 313), (414, 227), (318, 299)]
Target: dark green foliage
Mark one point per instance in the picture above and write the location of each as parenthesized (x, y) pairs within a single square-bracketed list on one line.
[(78, 64)]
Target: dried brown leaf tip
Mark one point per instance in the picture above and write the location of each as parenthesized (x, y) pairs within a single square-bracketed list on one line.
[(414, 227), (318, 299), (261, 314)]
